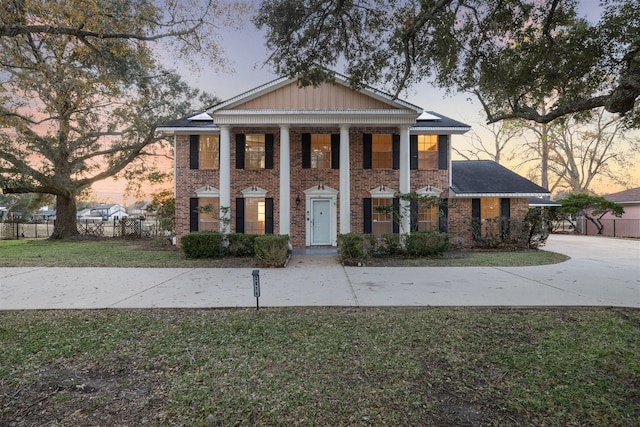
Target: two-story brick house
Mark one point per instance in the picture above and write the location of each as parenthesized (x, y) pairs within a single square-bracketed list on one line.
[(315, 162)]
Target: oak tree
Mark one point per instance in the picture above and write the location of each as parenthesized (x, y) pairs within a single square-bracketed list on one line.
[(512, 54), (82, 90)]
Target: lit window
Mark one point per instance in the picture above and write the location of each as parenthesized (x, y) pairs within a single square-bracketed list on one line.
[(382, 219), (254, 152), (254, 215), (382, 151), (490, 210), (427, 152), (209, 152), (321, 151), (209, 214)]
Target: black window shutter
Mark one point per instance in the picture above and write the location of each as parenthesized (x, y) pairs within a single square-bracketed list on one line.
[(413, 214), (306, 150), (335, 151), (368, 220), (413, 151), (239, 215), (443, 152), (475, 208), (268, 216), (194, 151), (395, 149), (476, 221), (367, 160), (193, 214), (396, 215), (240, 148), (268, 151), (505, 215), (443, 216)]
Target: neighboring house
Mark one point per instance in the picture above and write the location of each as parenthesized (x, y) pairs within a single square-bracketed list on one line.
[(628, 225), (109, 212), (316, 162), (45, 214), (139, 210)]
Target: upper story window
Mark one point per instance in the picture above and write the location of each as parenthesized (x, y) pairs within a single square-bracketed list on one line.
[(320, 151), (382, 151), (209, 152), (254, 151), (427, 151), (204, 152)]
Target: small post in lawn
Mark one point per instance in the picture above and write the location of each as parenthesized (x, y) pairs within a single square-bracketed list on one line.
[(256, 287)]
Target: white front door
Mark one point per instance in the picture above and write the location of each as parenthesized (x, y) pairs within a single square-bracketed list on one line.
[(320, 222)]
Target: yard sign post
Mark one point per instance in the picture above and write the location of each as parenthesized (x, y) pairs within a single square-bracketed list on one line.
[(256, 287)]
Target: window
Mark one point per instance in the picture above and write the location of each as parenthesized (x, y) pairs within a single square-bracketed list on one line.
[(382, 151), (208, 214), (428, 218), (254, 152), (427, 152), (489, 208), (254, 216), (320, 151), (209, 152), (486, 211), (382, 221)]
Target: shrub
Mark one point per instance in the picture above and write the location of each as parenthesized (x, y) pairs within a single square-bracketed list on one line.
[(241, 244), (272, 250), (531, 232), (386, 244), (426, 243), (352, 249), (203, 244)]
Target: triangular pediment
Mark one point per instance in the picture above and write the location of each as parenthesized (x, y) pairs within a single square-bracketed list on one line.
[(286, 95), (327, 96)]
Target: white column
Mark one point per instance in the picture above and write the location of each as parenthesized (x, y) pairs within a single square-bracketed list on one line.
[(225, 179), (285, 181), (345, 182), (405, 179)]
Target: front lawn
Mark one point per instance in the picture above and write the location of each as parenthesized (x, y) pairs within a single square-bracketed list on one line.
[(159, 253), (321, 366)]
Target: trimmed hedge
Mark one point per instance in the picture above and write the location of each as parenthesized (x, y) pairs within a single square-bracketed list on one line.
[(352, 248), (272, 250), (426, 243), (203, 244), (241, 244)]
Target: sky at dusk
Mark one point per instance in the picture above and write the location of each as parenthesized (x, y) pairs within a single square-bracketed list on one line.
[(246, 51)]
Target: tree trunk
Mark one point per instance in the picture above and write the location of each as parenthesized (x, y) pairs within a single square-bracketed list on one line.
[(66, 218), (544, 155)]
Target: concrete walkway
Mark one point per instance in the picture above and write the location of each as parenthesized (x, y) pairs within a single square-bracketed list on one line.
[(601, 272)]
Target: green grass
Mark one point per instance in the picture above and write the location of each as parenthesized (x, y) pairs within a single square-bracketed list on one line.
[(102, 253), (321, 367), (145, 253)]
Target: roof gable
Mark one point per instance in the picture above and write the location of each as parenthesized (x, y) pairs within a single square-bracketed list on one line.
[(286, 94), (327, 96), (486, 178)]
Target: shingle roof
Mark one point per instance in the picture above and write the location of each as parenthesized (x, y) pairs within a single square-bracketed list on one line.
[(487, 178), (629, 196), (441, 122)]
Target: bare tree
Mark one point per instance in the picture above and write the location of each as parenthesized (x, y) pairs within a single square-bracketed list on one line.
[(503, 135)]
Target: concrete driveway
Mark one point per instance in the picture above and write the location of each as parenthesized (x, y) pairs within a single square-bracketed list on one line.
[(601, 272)]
